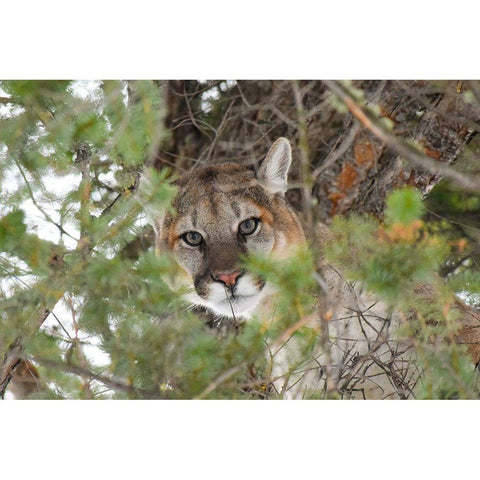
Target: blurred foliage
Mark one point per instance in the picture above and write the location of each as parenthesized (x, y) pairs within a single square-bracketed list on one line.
[(397, 259), (455, 215), (391, 258)]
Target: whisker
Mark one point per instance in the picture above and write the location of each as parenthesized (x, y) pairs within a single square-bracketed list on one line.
[(231, 306)]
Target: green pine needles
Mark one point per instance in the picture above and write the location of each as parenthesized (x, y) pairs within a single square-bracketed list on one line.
[(92, 304)]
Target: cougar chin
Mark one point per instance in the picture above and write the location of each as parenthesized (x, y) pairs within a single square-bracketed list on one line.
[(240, 304)]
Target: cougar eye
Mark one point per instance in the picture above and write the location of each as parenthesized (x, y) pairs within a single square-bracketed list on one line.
[(194, 239), (247, 227)]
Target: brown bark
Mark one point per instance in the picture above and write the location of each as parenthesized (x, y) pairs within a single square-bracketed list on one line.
[(469, 333)]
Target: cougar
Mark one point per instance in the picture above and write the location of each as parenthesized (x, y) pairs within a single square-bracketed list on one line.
[(224, 212)]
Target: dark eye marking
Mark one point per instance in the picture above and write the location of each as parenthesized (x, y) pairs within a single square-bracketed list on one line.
[(194, 239), (249, 226)]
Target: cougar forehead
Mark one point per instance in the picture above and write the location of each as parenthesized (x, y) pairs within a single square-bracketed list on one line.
[(214, 199), (212, 203), (214, 195)]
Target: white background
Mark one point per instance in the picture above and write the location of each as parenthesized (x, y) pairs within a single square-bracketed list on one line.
[(247, 39)]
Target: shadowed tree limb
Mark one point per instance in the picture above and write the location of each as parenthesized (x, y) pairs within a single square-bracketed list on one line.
[(402, 147)]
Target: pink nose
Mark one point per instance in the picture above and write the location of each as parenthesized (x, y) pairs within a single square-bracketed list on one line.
[(229, 279)]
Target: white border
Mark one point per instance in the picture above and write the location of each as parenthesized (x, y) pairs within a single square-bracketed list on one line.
[(305, 39), (239, 439), (248, 39)]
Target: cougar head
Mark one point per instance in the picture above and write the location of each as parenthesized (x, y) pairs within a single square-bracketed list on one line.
[(221, 213)]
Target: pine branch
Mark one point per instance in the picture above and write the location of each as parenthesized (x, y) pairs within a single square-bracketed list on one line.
[(13, 356), (32, 197), (107, 381)]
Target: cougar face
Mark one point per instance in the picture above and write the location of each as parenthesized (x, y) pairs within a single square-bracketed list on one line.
[(222, 213)]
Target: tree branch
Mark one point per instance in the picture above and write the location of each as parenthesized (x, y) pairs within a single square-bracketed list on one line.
[(14, 356), (32, 197), (403, 148), (109, 382), (306, 176)]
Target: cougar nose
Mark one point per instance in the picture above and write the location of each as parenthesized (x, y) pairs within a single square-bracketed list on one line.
[(229, 279)]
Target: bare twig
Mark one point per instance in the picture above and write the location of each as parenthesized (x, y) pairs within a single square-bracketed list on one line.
[(245, 101), (344, 142), (307, 180), (449, 117), (219, 132), (32, 197), (192, 116), (61, 325)]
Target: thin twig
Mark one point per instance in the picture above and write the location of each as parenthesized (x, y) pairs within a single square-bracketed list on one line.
[(191, 115), (345, 142), (449, 117), (61, 325), (32, 197), (307, 180), (221, 379), (218, 132)]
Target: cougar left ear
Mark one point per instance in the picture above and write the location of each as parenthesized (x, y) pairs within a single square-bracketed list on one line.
[(273, 171)]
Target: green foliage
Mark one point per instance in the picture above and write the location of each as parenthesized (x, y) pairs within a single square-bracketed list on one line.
[(455, 215), (389, 260), (94, 148), (450, 375), (446, 198), (293, 277), (135, 122), (12, 227), (467, 280), (299, 294), (404, 206), (77, 192)]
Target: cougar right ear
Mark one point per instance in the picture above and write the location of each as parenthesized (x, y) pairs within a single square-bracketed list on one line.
[(273, 171)]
